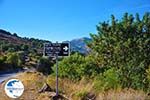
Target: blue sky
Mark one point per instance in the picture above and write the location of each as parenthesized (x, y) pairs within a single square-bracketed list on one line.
[(60, 20)]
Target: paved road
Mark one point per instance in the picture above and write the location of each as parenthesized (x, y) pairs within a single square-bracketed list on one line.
[(6, 75)]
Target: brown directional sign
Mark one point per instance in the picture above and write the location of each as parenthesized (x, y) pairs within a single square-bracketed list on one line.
[(51, 49)]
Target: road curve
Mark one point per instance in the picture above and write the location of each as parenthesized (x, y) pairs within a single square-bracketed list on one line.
[(6, 75)]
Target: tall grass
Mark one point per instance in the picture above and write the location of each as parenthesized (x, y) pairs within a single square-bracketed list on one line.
[(85, 90)]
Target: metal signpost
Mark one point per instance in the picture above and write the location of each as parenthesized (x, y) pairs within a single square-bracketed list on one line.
[(55, 50)]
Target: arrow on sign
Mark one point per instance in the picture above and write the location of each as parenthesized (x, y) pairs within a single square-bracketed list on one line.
[(65, 48)]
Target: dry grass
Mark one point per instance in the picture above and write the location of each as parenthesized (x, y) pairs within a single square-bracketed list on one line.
[(81, 90), (125, 94), (73, 90)]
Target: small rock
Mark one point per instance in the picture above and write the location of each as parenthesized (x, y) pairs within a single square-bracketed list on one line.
[(90, 96), (45, 88)]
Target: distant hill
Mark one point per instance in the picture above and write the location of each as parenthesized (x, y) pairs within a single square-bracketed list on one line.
[(80, 45), (12, 38), (77, 45)]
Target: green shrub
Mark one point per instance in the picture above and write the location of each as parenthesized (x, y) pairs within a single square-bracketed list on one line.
[(148, 79), (21, 56), (44, 65), (133, 77), (2, 63), (70, 66), (108, 80), (13, 60), (75, 67), (124, 45), (2, 59)]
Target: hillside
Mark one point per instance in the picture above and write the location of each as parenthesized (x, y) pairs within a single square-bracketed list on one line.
[(17, 43), (77, 45), (12, 38)]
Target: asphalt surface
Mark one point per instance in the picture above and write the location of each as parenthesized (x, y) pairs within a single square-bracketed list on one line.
[(4, 75)]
